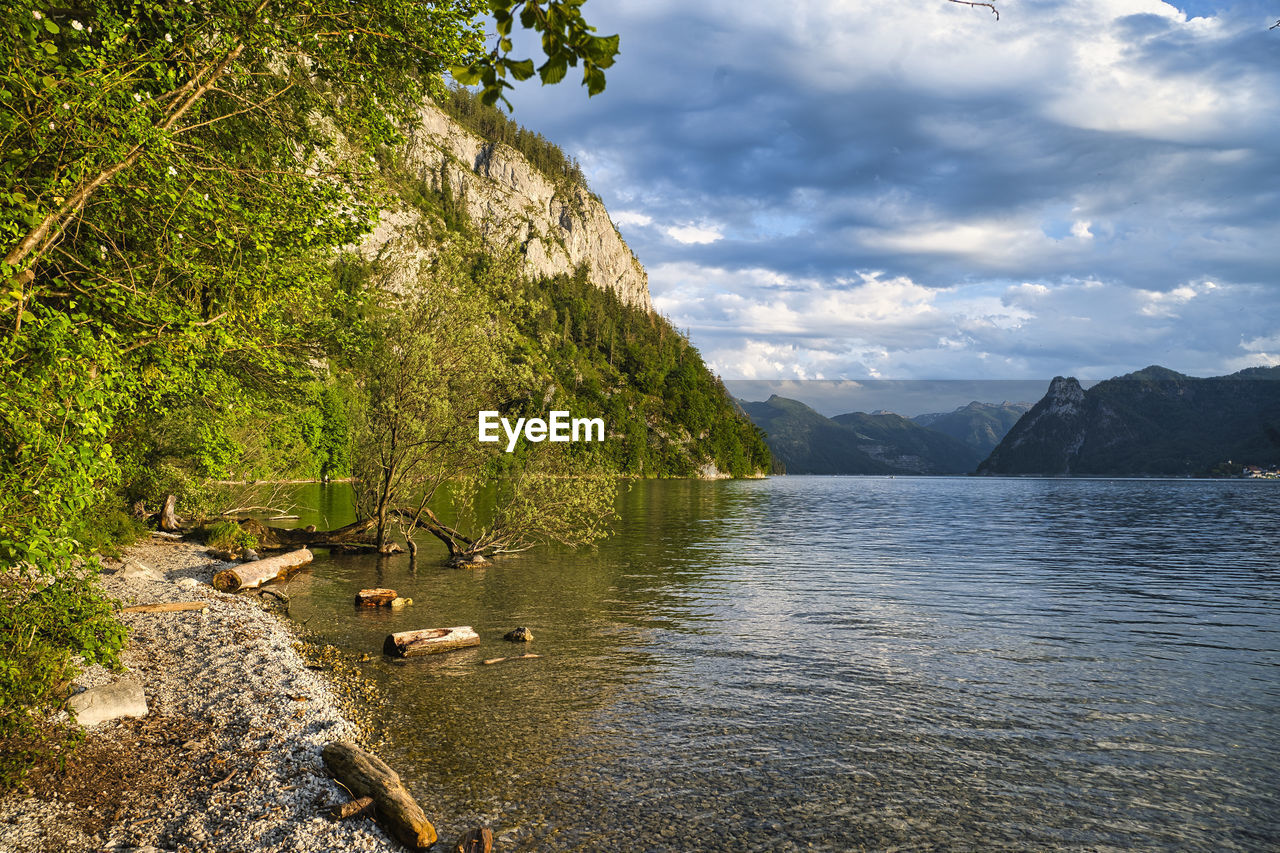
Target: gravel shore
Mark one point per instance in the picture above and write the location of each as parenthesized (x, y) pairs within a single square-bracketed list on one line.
[(228, 757)]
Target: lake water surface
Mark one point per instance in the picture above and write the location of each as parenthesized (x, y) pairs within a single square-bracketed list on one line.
[(811, 663)]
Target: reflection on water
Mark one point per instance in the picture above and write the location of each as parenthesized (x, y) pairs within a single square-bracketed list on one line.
[(829, 663)]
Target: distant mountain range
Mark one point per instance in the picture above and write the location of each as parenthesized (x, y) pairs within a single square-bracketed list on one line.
[(1154, 422), (979, 425), (805, 442)]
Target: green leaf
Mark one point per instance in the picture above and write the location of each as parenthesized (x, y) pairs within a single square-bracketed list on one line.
[(594, 79), (51, 26), (521, 70), (553, 70), (49, 47), (467, 75)]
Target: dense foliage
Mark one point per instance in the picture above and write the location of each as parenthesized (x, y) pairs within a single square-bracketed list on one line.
[(666, 413), (174, 182)]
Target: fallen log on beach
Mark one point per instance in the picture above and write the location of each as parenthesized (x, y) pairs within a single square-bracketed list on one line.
[(166, 607), (430, 641), (366, 775), (252, 575)]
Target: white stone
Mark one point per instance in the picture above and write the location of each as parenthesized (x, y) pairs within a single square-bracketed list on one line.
[(123, 698), (136, 569)]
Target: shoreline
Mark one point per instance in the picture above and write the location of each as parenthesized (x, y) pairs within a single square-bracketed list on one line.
[(227, 757)]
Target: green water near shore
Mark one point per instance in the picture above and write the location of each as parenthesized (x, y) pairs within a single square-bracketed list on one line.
[(828, 663)]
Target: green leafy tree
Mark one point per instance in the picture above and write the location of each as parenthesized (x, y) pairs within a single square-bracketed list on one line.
[(426, 364), (175, 180), (442, 352)]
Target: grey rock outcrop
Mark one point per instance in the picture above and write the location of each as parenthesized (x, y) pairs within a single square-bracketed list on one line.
[(1049, 436), (510, 203)]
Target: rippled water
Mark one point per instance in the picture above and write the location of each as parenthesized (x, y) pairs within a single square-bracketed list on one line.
[(843, 663)]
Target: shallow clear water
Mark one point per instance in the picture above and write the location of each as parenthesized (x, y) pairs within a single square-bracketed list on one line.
[(833, 664)]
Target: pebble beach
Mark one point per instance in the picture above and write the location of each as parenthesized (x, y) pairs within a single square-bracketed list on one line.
[(227, 756)]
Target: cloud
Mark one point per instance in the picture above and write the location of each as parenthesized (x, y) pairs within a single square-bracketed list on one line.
[(694, 234), (917, 189), (631, 217)]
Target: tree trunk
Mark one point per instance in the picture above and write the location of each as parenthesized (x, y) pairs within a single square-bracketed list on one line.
[(366, 775), (251, 575), (169, 521), (429, 641), (357, 535)]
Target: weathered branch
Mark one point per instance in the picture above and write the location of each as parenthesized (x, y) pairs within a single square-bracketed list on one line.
[(991, 6)]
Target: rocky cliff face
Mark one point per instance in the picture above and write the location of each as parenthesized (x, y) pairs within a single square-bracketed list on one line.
[(557, 228), (1047, 438)]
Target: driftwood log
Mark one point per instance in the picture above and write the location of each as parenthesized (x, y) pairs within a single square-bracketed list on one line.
[(377, 597), (166, 607), (430, 641), (492, 661), (251, 575), (355, 536), (478, 840), (366, 775)]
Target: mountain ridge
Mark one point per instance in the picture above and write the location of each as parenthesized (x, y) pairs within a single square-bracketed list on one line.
[(1150, 422)]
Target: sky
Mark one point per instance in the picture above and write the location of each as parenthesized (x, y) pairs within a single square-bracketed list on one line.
[(912, 189)]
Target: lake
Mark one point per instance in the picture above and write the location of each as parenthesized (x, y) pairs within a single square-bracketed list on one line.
[(827, 663)]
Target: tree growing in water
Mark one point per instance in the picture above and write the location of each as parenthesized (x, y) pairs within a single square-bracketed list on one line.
[(429, 364)]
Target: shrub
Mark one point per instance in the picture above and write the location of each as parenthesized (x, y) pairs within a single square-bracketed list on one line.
[(229, 536), (48, 626)]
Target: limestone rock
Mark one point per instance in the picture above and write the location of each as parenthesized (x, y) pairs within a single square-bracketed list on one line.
[(123, 698), (509, 201), (136, 569)]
